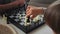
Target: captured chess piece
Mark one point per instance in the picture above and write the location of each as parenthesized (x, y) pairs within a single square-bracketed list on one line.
[(6, 29)]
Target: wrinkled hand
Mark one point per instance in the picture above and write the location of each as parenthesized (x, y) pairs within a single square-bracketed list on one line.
[(33, 11)]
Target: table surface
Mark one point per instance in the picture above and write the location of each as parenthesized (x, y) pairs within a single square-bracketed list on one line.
[(44, 29)]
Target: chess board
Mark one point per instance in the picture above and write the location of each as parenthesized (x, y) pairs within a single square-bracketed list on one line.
[(19, 21), (25, 24)]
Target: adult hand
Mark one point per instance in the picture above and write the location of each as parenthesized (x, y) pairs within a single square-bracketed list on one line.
[(33, 11)]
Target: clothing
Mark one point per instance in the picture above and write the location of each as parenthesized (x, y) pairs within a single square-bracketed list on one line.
[(55, 3), (5, 1), (43, 3)]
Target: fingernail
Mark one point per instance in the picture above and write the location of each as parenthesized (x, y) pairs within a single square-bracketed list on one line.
[(31, 16)]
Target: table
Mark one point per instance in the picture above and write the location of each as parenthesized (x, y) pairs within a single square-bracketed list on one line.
[(44, 29)]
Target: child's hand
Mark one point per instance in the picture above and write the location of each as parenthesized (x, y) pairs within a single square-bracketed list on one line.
[(33, 11), (21, 2)]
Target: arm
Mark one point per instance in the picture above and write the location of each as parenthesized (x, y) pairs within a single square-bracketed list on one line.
[(12, 4), (33, 11)]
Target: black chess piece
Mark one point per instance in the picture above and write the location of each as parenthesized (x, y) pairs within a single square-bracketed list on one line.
[(28, 20)]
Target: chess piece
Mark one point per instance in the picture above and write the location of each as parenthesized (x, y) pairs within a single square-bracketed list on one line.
[(27, 21)]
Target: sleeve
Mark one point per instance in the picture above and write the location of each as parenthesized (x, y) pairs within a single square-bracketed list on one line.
[(55, 3), (39, 3)]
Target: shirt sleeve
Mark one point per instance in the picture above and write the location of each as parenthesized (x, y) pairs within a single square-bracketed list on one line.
[(39, 3)]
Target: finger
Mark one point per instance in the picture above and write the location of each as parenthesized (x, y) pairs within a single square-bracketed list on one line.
[(31, 16), (29, 11), (28, 14)]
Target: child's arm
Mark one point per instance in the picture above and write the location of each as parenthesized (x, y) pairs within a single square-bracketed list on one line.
[(12, 4)]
